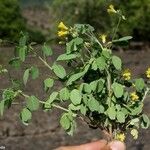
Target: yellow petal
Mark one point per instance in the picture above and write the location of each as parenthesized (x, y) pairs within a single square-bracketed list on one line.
[(120, 137), (126, 74), (62, 26), (134, 96), (103, 38), (111, 9), (148, 73), (62, 33)]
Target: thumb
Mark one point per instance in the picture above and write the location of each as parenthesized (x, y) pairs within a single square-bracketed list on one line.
[(117, 145), (98, 145)]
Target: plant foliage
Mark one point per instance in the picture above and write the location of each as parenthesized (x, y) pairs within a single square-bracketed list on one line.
[(95, 86)]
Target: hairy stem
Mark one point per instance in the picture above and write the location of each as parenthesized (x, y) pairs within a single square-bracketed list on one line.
[(45, 63), (145, 94), (42, 102), (116, 29), (109, 100)]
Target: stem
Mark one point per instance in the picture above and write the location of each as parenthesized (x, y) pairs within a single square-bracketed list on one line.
[(116, 29), (82, 61), (16, 103), (93, 36), (145, 94), (87, 50), (42, 102), (109, 87), (109, 100), (56, 106), (97, 41), (25, 95), (45, 63), (60, 107), (110, 132)]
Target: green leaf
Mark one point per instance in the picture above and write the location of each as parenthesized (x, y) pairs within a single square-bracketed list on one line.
[(64, 94), (101, 109), (47, 50), (83, 109), (32, 103), (145, 123), (67, 57), (15, 62), (48, 83), (70, 46), (106, 53), (120, 117), (73, 107), (34, 72), (126, 38), (125, 111), (75, 97), (72, 128), (2, 107), (52, 97), (137, 110), (78, 41), (73, 45), (118, 89), (93, 85), (134, 133), (26, 76), (87, 88), (8, 94), (25, 116), (122, 41), (94, 65), (101, 63), (139, 84), (84, 28), (23, 40), (94, 105), (118, 107), (65, 121), (100, 85), (135, 122), (117, 62), (22, 53), (85, 99), (111, 111), (77, 76), (59, 70)]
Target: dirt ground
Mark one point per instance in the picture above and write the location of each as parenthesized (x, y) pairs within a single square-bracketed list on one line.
[(44, 131)]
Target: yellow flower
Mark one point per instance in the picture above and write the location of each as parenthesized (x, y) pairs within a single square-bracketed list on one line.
[(103, 38), (148, 73), (111, 9), (121, 137), (62, 26), (134, 96), (126, 74), (62, 33)]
